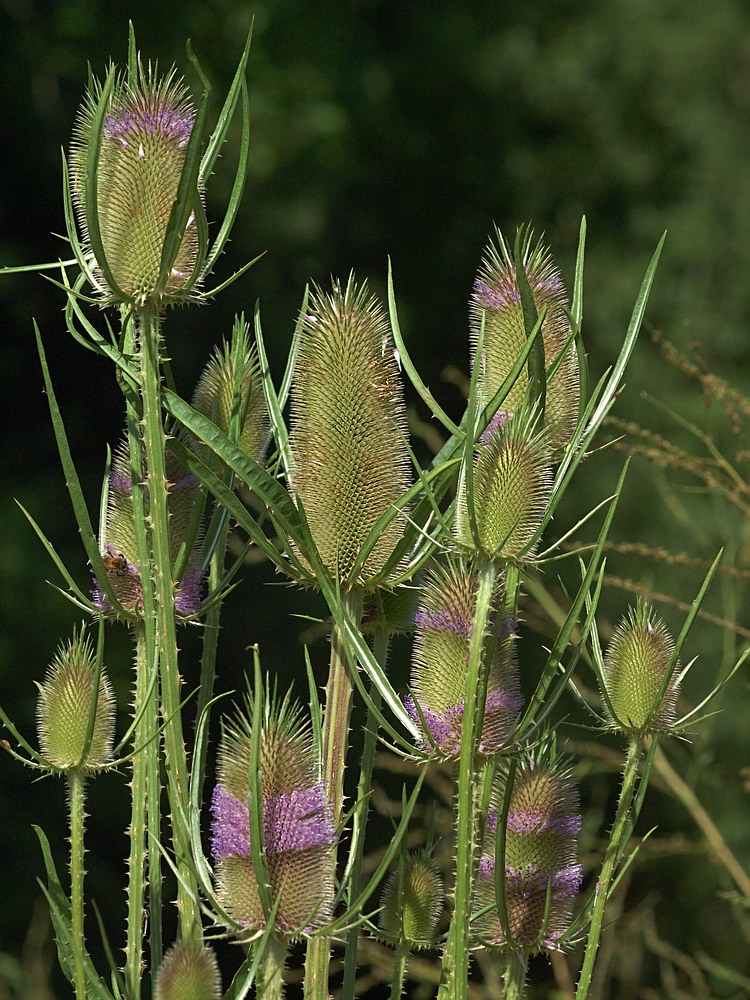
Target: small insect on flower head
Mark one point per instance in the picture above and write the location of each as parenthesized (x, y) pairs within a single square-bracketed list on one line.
[(124, 178), (118, 538)]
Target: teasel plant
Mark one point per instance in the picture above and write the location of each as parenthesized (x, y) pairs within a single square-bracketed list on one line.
[(340, 505)]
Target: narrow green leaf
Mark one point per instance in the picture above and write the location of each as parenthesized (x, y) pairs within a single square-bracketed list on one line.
[(429, 400), (72, 482), (238, 186)]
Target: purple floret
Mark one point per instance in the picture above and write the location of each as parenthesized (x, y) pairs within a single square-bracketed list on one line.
[(493, 298), (530, 880), (444, 621), (189, 592), (445, 726), (495, 425), (297, 820), (230, 825), (292, 821), (524, 821), (150, 115)]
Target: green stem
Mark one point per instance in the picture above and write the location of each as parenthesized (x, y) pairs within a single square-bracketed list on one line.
[(164, 593), (139, 789), (399, 970), (515, 977), (76, 800), (270, 983), (335, 746), (146, 785), (456, 959), (611, 859), (359, 823)]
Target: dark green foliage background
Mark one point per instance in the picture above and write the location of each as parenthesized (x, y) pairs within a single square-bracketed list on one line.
[(407, 129)]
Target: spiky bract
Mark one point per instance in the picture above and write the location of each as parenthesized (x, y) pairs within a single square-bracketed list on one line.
[(443, 628), (541, 868), (144, 138), (348, 440), (118, 538), (511, 488), (188, 972), (634, 669), (496, 298), (66, 698), (298, 827), (412, 914), (230, 391)]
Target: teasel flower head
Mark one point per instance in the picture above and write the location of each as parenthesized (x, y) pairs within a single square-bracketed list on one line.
[(635, 666), (66, 698), (142, 145), (348, 439), (298, 824), (541, 866), (392, 610), (188, 972), (412, 902), (496, 301), (512, 481), (443, 628), (118, 539), (230, 393)]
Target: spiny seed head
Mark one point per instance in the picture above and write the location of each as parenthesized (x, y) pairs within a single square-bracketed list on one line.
[(392, 610), (188, 972), (511, 488), (230, 386), (118, 538), (634, 669), (298, 825), (541, 833), (443, 628), (412, 914), (64, 708), (496, 298), (348, 440), (146, 131)]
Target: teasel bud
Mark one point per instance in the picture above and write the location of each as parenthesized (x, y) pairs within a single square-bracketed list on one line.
[(512, 482), (348, 440), (541, 835), (497, 298), (411, 915), (118, 541), (392, 610), (231, 384), (634, 669), (298, 825), (443, 628), (188, 972), (144, 138), (64, 708)]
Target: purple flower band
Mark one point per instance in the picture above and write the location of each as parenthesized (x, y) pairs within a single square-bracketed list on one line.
[(292, 821), (445, 726), (150, 116), (494, 298), (528, 881), (495, 425), (525, 821), (444, 621)]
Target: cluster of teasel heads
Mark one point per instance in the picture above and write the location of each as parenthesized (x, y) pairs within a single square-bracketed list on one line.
[(358, 522)]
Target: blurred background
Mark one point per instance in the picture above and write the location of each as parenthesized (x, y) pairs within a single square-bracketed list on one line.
[(408, 130)]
